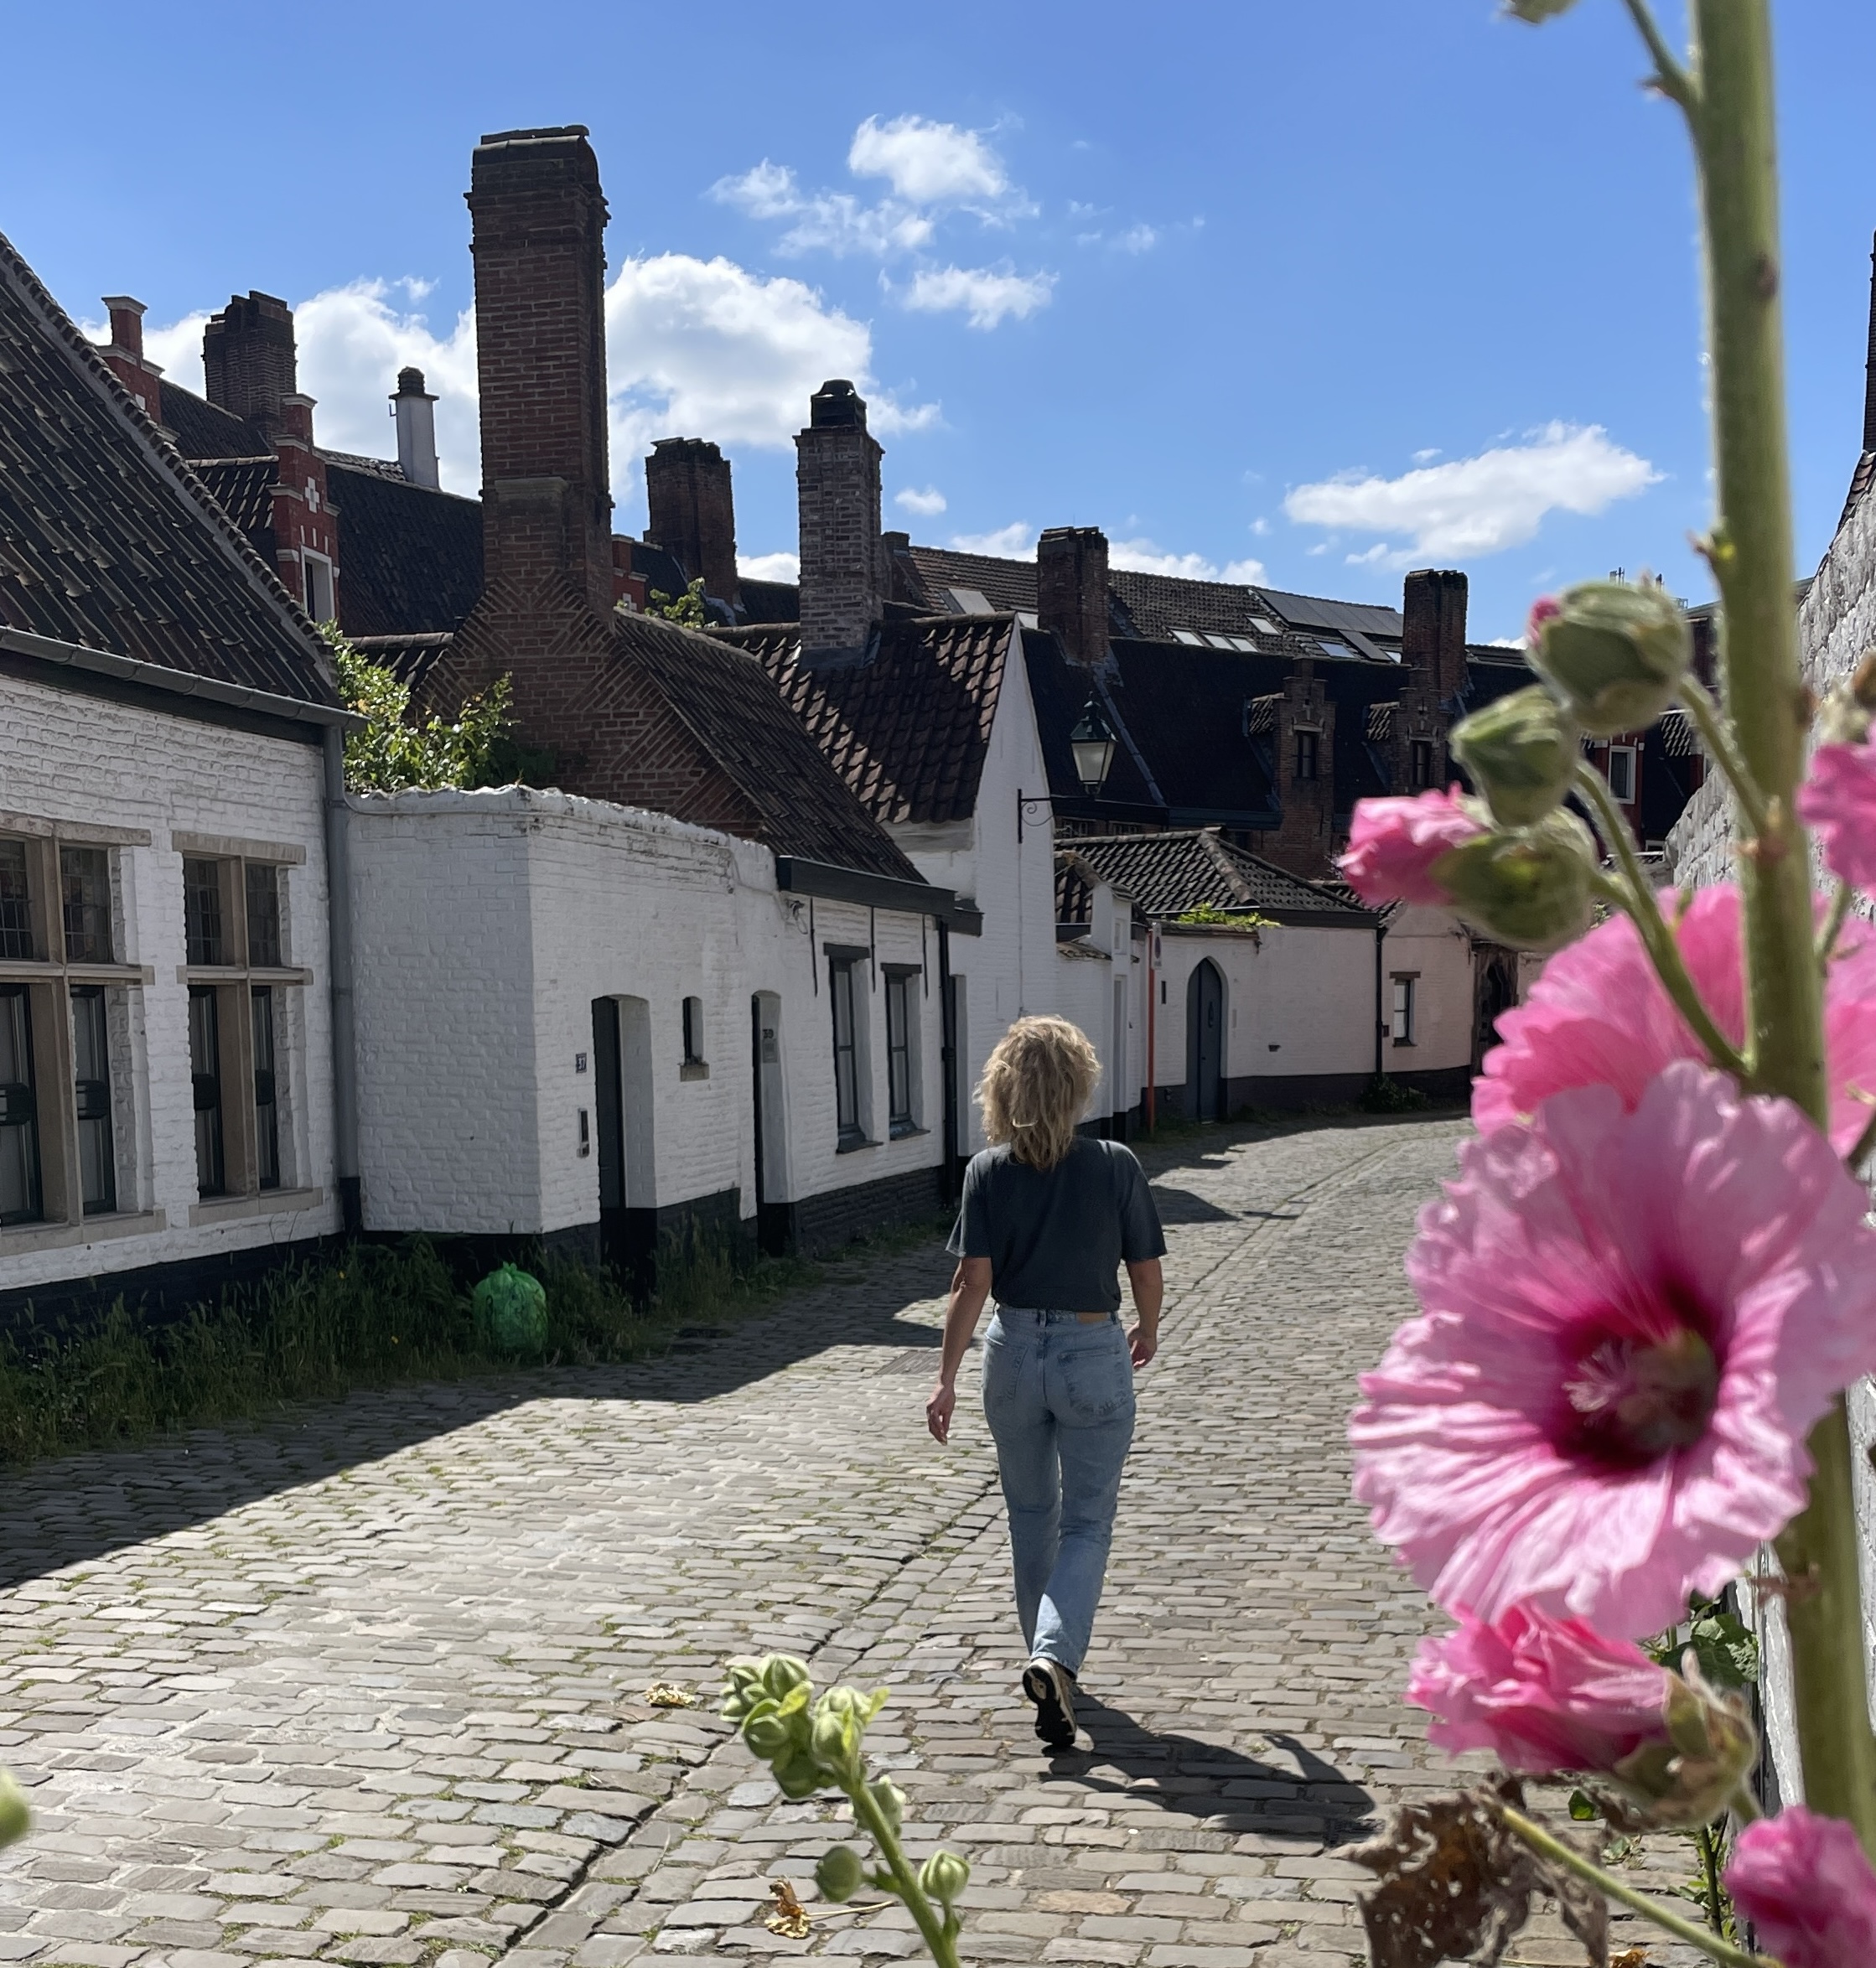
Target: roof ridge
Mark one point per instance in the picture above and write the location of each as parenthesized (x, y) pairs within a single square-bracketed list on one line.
[(1214, 847)]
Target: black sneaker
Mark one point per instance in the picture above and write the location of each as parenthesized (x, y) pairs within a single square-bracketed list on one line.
[(1051, 1687)]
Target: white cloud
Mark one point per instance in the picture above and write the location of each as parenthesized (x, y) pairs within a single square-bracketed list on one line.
[(827, 221), (929, 501), (1016, 542), (983, 296), (1137, 239), (768, 566), (1474, 506), (176, 350), (1145, 557), (927, 163)]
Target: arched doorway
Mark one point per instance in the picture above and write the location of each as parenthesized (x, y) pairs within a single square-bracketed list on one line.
[(1205, 1042)]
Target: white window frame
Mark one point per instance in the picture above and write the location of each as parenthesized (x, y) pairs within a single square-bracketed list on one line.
[(1403, 1009), (1627, 754), (319, 583), (906, 980)]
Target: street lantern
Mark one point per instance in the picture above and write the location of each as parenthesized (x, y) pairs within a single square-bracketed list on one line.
[(1092, 742)]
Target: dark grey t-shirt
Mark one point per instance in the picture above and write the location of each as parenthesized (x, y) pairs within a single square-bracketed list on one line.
[(1056, 1239)]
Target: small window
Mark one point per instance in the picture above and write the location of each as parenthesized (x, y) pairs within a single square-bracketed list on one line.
[(1621, 773), (267, 1089), (693, 1031), (97, 1161), (900, 1008), (847, 1063), (85, 878), (1420, 765), (1306, 753), (263, 915), (205, 1066), (1402, 1024), (203, 913), (16, 904), (319, 586), (19, 1130)]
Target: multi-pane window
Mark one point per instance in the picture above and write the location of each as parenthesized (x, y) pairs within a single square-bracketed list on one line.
[(267, 1085), (203, 913), (1420, 764), (19, 1143), (16, 910), (846, 1054), (1403, 1009), (1306, 743), (900, 1005), (85, 889), (97, 1159), (263, 915), (204, 1072)]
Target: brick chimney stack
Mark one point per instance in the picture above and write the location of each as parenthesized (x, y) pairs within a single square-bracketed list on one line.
[(125, 355), (539, 220), (843, 559), (692, 511), (416, 412), (248, 358), (1433, 607), (1071, 590)]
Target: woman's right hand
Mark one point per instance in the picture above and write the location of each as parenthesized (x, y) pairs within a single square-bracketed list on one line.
[(938, 1410), (1143, 1343)]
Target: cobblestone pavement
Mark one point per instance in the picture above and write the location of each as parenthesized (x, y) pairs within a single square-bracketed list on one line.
[(365, 1686)]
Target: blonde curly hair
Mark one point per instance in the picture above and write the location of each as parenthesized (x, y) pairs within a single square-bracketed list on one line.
[(1036, 1085)]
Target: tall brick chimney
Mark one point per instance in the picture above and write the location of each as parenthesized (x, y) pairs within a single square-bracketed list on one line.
[(126, 357), (843, 558), (539, 220), (1433, 608), (248, 359), (692, 512), (1071, 590)]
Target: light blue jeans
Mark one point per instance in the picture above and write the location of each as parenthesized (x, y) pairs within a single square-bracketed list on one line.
[(1058, 1395)]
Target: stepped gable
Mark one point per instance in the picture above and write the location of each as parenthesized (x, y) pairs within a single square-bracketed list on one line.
[(909, 727), (107, 539), (1171, 874), (728, 703)]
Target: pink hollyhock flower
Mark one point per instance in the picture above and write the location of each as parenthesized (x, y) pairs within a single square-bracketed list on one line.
[(1838, 800), (1598, 1017), (1394, 845), (1630, 1323), (1544, 1694), (1541, 610), (1806, 1884)]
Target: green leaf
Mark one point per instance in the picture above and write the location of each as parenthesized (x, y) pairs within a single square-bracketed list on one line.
[(1584, 1808), (1726, 1648)]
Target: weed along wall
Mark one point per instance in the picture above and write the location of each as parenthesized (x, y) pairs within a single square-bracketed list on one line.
[(603, 1027)]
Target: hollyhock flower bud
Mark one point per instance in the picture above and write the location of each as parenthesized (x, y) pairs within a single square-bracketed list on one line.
[(782, 1673), (1806, 1886), (15, 1818), (1839, 802), (1711, 1744), (766, 1734), (944, 1875), (1615, 652), (1395, 846), (890, 1799), (1522, 753), (1530, 889), (1603, 1405), (840, 1874)]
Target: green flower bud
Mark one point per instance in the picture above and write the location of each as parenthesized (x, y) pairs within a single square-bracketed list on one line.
[(1522, 753), (944, 1875), (1615, 652), (891, 1801), (767, 1734), (742, 1689), (798, 1774), (840, 1874), (782, 1673), (1530, 889), (1711, 1746), (834, 1737), (15, 1818)]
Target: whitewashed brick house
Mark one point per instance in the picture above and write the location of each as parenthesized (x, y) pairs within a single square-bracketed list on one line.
[(166, 964)]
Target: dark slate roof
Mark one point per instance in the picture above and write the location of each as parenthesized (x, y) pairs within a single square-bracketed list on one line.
[(409, 658), (661, 570), (769, 601), (410, 557), (243, 488), (107, 539), (1168, 874), (907, 729), (727, 701), (203, 429)]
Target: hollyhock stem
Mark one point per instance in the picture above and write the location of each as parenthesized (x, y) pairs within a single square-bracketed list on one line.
[(1636, 899), (1548, 1846), (1732, 117), (1670, 77), (1723, 748), (1829, 937)]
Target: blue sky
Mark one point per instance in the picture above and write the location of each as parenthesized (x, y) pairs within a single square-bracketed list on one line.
[(1327, 289)]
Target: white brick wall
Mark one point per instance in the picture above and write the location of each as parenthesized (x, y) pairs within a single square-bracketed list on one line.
[(487, 924), (71, 757)]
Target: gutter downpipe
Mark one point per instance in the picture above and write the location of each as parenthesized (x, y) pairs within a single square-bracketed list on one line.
[(344, 1038), (947, 1025), (1152, 1003), (1381, 965)]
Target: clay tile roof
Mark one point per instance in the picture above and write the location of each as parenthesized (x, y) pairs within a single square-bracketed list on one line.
[(409, 658), (729, 704), (203, 429), (1380, 723), (243, 488), (107, 539), (1170, 873), (1074, 890), (410, 556), (908, 728)]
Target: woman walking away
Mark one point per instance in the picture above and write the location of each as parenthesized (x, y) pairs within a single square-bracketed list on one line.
[(1048, 1218)]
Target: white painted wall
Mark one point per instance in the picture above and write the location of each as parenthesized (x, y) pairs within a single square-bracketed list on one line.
[(74, 758), (488, 922)]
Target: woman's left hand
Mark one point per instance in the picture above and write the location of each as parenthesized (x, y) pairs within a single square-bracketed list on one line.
[(1143, 1343)]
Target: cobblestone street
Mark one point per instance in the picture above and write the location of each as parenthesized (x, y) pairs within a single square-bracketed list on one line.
[(364, 1685)]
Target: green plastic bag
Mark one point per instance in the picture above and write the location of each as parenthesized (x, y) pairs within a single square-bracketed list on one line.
[(511, 1310)]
